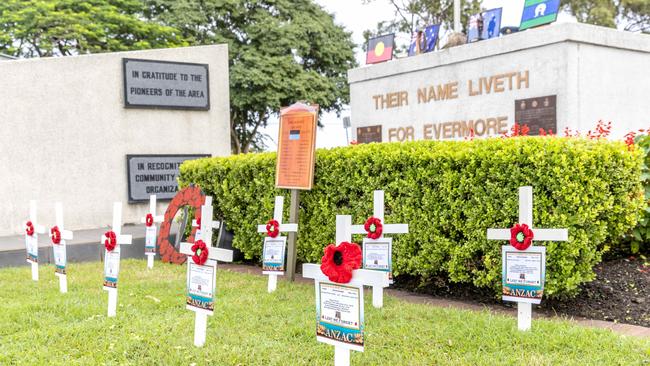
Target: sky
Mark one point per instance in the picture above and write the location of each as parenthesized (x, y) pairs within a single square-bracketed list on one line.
[(356, 18)]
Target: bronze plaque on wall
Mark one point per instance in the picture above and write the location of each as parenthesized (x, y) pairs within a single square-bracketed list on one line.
[(369, 134), (536, 113)]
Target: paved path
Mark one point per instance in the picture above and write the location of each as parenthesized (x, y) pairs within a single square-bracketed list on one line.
[(624, 329)]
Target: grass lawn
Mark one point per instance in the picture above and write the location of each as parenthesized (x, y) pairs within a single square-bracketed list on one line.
[(40, 326)]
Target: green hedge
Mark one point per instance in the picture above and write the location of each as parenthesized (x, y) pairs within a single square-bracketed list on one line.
[(449, 193)]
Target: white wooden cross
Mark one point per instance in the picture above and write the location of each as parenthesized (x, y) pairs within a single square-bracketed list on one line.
[(214, 255), (292, 228), (60, 250), (378, 212), (113, 258), (524, 309), (213, 225), (31, 242), (359, 276), (150, 233)]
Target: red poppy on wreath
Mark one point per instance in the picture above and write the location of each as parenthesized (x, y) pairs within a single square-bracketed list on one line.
[(55, 233), (29, 229), (374, 227), (111, 240), (339, 261), (273, 228), (521, 236), (200, 252), (149, 220)]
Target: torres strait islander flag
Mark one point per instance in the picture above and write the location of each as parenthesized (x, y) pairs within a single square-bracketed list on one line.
[(539, 12), (380, 49)]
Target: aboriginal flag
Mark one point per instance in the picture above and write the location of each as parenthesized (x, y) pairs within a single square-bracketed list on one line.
[(380, 49)]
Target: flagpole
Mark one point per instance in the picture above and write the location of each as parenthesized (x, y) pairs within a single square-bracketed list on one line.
[(457, 28)]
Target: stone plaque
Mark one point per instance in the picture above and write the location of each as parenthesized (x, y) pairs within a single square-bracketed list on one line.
[(154, 174), (540, 112), (162, 84), (369, 134)]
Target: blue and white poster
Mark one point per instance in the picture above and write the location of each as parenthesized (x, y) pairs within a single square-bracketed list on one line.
[(484, 25), (377, 255), (424, 41)]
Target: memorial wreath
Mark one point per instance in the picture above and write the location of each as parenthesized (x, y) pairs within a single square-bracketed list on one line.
[(111, 240), (273, 228), (200, 251)]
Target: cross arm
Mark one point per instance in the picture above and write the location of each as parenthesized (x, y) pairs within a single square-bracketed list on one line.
[(289, 228), (39, 229), (387, 229), (121, 239), (65, 234), (219, 254), (363, 276), (215, 224), (539, 234), (158, 218)]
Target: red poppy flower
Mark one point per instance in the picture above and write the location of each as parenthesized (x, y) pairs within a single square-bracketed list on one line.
[(111, 240), (149, 220), (273, 228), (200, 252), (198, 222), (55, 233), (339, 261), (29, 229), (521, 236), (374, 227)]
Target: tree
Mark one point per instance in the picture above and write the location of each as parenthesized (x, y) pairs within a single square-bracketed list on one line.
[(630, 15), (280, 52), (36, 28), (411, 14)]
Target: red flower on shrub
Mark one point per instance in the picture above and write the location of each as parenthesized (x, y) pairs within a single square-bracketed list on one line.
[(338, 262), (373, 227), (149, 220), (200, 252), (602, 130), (517, 130), (273, 228), (55, 234), (629, 140), (111, 240), (543, 132), (29, 228), (521, 236)]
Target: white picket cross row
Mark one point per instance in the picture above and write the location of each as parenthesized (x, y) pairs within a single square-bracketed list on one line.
[(364, 277), (289, 228), (65, 235), (378, 212), (38, 229), (156, 219), (214, 254), (121, 240), (524, 309)]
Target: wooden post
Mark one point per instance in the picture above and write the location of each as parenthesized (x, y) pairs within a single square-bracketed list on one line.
[(291, 242)]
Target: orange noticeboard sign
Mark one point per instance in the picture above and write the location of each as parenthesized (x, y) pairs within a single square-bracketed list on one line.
[(296, 147)]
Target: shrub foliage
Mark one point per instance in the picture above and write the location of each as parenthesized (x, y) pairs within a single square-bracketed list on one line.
[(449, 193)]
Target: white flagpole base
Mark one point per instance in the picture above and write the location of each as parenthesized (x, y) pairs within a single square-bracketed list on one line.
[(377, 296), (200, 326), (273, 282), (341, 356), (112, 302), (524, 315), (63, 283), (149, 261), (35, 271)]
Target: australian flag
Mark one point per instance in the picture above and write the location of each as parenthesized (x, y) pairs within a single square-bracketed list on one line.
[(539, 12), (424, 41)]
